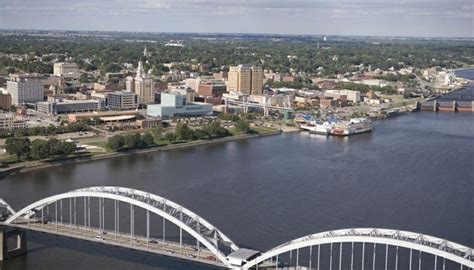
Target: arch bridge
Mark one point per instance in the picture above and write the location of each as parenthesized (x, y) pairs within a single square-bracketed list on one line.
[(88, 213)]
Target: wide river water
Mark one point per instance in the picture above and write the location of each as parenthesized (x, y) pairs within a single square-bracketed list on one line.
[(415, 172)]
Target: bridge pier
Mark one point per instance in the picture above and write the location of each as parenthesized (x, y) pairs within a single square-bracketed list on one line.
[(19, 249)]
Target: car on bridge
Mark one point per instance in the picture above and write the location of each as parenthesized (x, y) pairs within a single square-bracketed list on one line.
[(211, 258), (99, 237)]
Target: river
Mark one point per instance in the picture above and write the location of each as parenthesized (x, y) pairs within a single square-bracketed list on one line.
[(414, 172)]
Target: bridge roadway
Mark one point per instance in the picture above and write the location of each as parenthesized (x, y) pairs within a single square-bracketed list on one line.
[(138, 242)]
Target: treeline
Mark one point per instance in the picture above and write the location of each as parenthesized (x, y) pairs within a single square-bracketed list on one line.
[(45, 131), (298, 84), (14, 66), (24, 149), (311, 55), (182, 133)]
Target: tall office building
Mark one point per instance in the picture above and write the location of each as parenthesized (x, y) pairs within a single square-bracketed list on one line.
[(245, 79), (122, 100), (142, 85), (25, 88)]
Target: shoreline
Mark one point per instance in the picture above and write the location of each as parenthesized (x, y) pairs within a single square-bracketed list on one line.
[(42, 165)]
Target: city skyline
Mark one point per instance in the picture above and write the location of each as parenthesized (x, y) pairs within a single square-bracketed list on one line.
[(422, 18)]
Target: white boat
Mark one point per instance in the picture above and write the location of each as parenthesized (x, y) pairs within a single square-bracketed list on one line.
[(317, 127), (353, 126)]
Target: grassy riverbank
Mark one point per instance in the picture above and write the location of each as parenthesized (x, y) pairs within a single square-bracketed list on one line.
[(161, 146)]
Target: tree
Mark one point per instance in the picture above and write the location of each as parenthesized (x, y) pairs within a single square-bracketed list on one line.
[(148, 139), (20, 147), (116, 143), (215, 130), (68, 148), (40, 149), (184, 132), (157, 133), (132, 140), (201, 134), (170, 136), (242, 126), (54, 147)]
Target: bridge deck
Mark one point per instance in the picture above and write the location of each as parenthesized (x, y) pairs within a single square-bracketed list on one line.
[(138, 242)]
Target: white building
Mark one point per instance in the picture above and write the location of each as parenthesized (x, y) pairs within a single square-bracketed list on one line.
[(69, 106), (122, 100), (8, 122), (278, 100), (67, 70), (25, 88), (184, 91), (174, 104), (353, 96)]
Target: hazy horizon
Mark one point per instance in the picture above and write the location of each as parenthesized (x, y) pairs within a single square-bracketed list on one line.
[(382, 18)]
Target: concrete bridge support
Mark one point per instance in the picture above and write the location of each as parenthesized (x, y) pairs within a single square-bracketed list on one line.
[(19, 249)]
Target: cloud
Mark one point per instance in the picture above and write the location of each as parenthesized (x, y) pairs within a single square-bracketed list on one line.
[(233, 14)]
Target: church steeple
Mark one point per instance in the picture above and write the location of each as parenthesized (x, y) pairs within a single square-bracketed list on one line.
[(140, 70), (145, 52)]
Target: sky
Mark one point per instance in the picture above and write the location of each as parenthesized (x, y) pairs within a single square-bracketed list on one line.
[(423, 18)]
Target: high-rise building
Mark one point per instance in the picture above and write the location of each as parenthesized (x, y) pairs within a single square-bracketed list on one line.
[(25, 88), (122, 100), (67, 70), (142, 85), (5, 101), (245, 79)]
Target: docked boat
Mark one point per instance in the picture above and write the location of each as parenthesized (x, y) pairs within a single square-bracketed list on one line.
[(353, 126), (317, 127)]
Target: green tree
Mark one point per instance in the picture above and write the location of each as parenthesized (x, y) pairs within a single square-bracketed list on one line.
[(157, 133), (170, 136), (116, 142), (148, 139), (215, 130), (39, 149), (68, 148), (201, 134), (54, 147), (132, 140), (184, 132), (20, 147), (242, 126)]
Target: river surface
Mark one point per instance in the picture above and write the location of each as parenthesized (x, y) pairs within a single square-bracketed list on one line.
[(465, 95), (414, 172)]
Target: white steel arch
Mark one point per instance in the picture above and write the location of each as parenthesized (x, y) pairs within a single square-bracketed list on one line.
[(9, 208), (424, 243), (184, 218)]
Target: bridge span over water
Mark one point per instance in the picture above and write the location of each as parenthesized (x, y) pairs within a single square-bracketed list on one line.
[(109, 214)]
